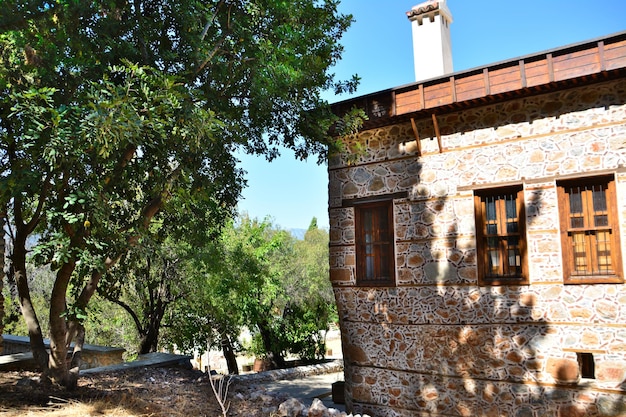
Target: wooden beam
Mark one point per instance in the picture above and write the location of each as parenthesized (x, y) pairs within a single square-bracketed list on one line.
[(351, 202), (453, 88), (436, 125), (601, 56), (422, 97), (522, 73), (486, 81), (417, 137), (550, 68)]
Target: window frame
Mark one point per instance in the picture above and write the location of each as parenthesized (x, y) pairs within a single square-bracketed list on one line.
[(568, 258), (388, 244), (482, 252)]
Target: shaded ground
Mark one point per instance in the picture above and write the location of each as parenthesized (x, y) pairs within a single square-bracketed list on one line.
[(155, 392), (152, 391)]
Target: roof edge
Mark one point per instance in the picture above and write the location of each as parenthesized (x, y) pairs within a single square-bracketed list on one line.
[(461, 73)]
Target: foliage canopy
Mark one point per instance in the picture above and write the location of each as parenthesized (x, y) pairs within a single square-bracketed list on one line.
[(116, 116), (265, 281)]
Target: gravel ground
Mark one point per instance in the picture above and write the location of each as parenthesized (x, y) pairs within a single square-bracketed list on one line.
[(154, 392)]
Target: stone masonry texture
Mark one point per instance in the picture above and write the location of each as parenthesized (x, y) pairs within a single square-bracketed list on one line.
[(1, 288), (439, 344)]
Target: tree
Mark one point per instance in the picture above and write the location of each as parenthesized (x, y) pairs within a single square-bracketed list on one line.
[(158, 278), (265, 281), (269, 249), (109, 110), (309, 277), (285, 297), (99, 200), (310, 294), (228, 282), (2, 308)]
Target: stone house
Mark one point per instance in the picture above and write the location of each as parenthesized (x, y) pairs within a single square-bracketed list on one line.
[(2, 243), (478, 233)]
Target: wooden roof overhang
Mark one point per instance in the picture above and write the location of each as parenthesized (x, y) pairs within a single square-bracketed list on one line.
[(554, 70)]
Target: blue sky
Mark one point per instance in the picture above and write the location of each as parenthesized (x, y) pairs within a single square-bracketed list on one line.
[(379, 49)]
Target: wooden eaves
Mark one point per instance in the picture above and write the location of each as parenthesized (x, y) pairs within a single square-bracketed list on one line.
[(553, 70)]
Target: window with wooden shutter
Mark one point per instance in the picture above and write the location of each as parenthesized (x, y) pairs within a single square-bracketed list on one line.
[(500, 236), (375, 244), (589, 231)]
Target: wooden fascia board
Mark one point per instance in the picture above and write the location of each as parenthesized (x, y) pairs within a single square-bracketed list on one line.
[(411, 100)]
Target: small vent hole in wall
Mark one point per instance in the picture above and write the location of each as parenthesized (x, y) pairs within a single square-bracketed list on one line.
[(586, 365)]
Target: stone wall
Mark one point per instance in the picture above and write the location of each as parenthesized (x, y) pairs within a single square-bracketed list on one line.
[(92, 356), (440, 344), (1, 285)]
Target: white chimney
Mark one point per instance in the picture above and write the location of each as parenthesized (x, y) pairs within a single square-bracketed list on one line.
[(432, 49)]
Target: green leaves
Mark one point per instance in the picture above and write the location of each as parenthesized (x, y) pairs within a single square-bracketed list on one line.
[(73, 199), (75, 313), (118, 121)]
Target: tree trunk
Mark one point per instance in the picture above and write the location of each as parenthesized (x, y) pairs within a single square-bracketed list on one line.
[(229, 355), (150, 337), (148, 342), (1, 283), (273, 354), (59, 370), (76, 331), (18, 266)]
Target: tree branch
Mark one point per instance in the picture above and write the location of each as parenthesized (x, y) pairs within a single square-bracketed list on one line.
[(130, 311), (211, 55), (127, 156), (140, 39), (30, 226), (219, 43), (153, 207), (90, 288), (210, 22)]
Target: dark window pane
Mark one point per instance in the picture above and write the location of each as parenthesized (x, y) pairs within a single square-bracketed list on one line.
[(575, 201), (511, 207), (599, 198), (368, 225), (512, 227), (383, 221), (369, 267), (490, 208), (601, 220), (384, 260), (515, 261)]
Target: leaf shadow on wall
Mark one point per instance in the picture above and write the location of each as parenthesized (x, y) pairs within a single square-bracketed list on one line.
[(439, 344)]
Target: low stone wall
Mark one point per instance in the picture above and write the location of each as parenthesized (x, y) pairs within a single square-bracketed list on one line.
[(292, 373), (1, 285), (93, 356)]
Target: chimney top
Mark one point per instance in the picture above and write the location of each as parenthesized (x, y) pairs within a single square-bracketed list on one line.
[(429, 7), (432, 50)]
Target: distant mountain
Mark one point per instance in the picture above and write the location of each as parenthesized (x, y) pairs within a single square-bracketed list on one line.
[(298, 233)]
